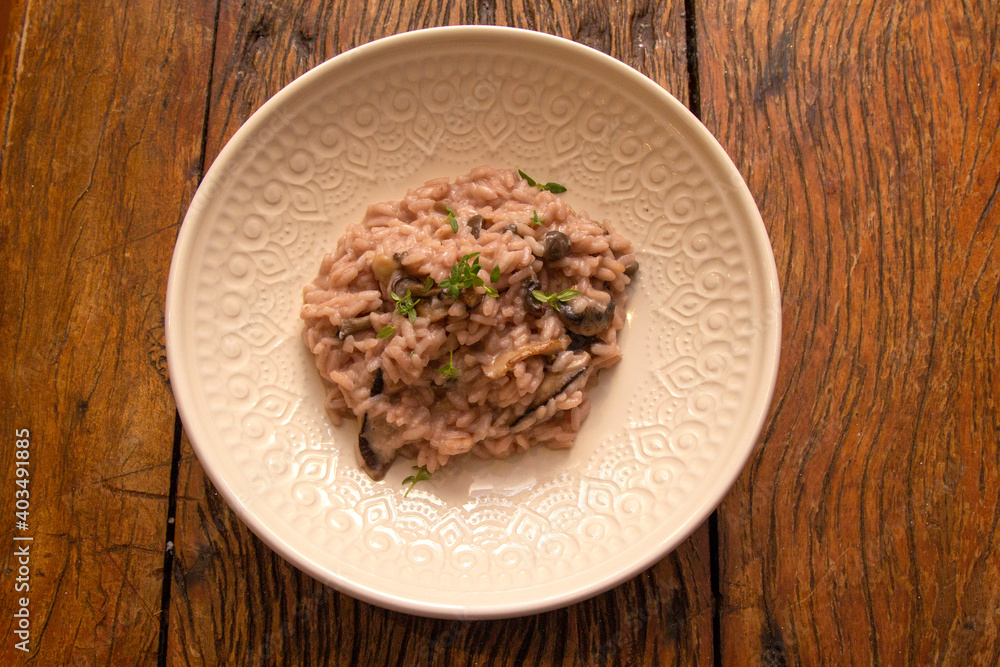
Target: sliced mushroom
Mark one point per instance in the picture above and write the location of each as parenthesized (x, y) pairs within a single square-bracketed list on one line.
[(400, 283), (383, 266), (552, 385), (353, 325), (389, 271), (471, 298), (503, 363), (375, 451), (578, 342), (531, 305), (588, 320), (375, 454), (555, 246), (475, 224), (434, 309), (512, 229)]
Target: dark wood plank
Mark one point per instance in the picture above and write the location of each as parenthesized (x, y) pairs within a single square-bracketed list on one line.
[(12, 24), (264, 46), (236, 602), (866, 527), (101, 154), (645, 34)]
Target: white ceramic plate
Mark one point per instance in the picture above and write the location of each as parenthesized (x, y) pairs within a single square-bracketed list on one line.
[(672, 425)]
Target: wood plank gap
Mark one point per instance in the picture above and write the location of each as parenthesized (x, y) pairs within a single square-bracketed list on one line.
[(694, 104), (13, 84), (713, 566), (175, 458), (168, 542), (208, 95), (691, 51)]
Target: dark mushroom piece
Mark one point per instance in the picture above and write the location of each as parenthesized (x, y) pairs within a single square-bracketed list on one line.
[(471, 298), (632, 268), (512, 229), (434, 309), (531, 305), (375, 454), (552, 385), (400, 283), (591, 320), (475, 224), (389, 271), (504, 362), (555, 246), (353, 325), (578, 342)]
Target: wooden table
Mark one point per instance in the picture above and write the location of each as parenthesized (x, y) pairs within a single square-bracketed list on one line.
[(866, 527)]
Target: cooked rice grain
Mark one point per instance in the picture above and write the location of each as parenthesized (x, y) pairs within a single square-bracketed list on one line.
[(432, 417)]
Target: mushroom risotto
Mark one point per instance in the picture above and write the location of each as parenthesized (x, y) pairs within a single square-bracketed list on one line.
[(472, 315)]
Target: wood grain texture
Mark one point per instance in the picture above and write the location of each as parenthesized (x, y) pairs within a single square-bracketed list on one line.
[(12, 24), (233, 601), (102, 137), (865, 528), (645, 34), (263, 46)]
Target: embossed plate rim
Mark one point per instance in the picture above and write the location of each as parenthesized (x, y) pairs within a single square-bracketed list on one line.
[(261, 518)]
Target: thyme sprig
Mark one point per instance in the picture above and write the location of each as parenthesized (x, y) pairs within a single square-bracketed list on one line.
[(451, 219), (450, 370), (465, 275), (553, 299), (554, 188), (406, 305), (412, 480)]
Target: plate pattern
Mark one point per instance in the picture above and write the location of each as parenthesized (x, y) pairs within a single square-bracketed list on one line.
[(286, 193)]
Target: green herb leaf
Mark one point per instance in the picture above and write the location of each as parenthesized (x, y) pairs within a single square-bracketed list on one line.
[(542, 297), (464, 275), (568, 295), (451, 219), (385, 332), (406, 305), (412, 480), (429, 283), (450, 370), (535, 219), (553, 299), (490, 291), (495, 274), (554, 188)]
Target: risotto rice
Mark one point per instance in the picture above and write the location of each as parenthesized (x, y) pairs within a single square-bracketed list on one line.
[(471, 316)]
